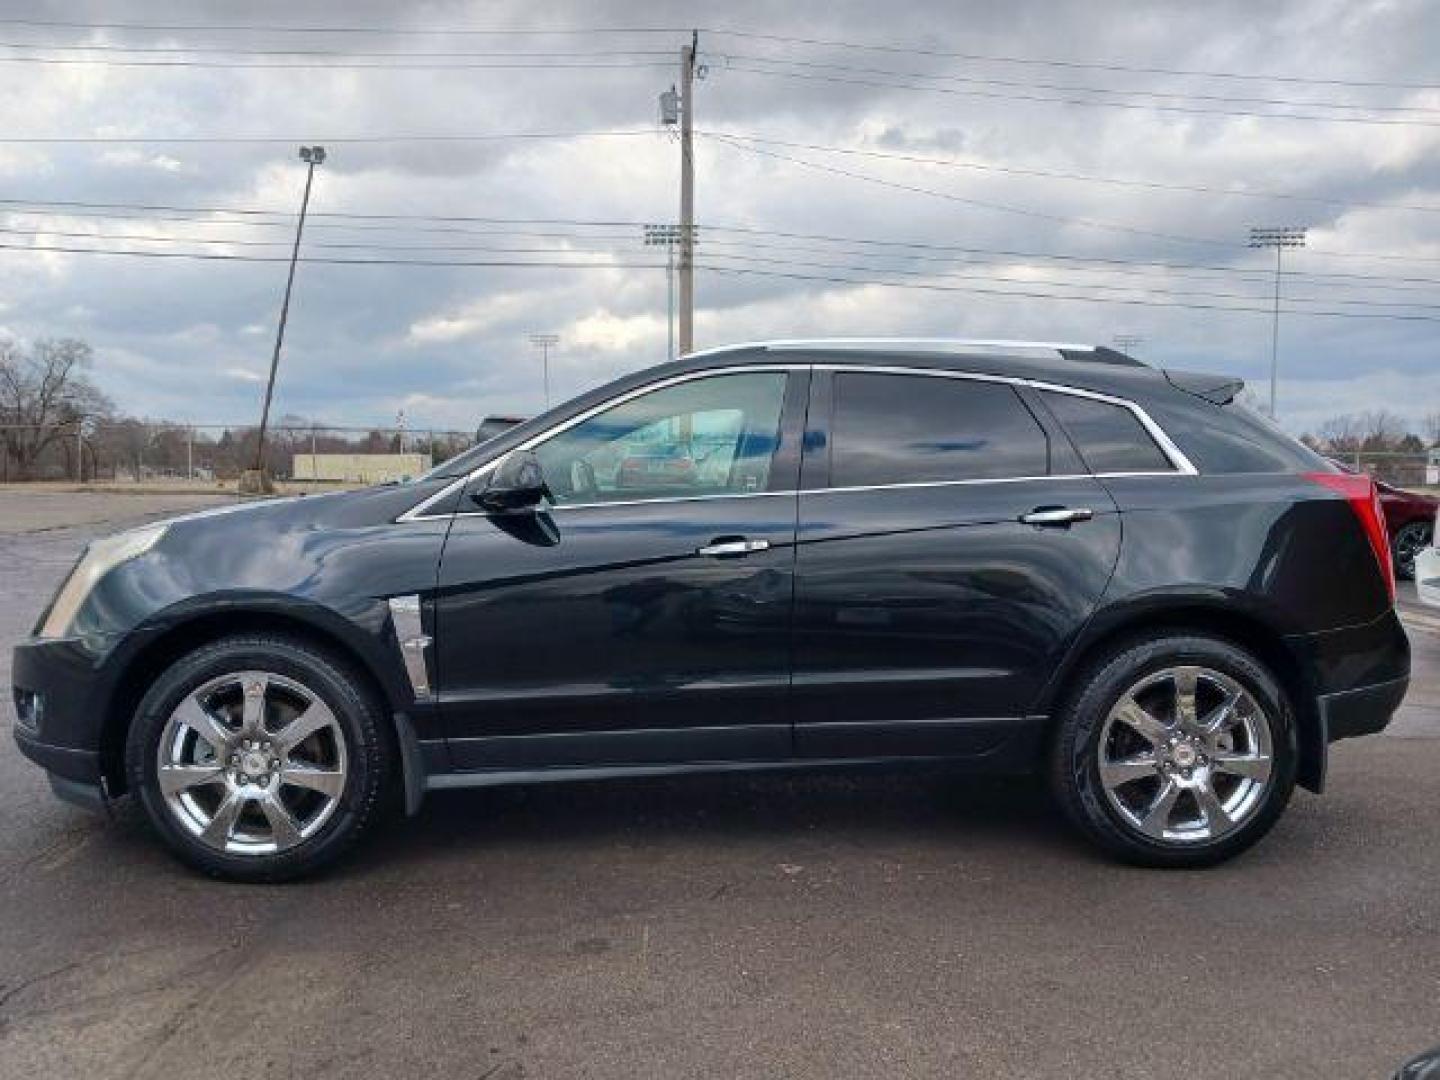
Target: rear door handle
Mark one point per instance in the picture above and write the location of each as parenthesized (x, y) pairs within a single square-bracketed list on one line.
[(1057, 515), (730, 548)]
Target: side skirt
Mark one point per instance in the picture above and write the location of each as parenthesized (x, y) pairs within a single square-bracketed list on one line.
[(1017, 755)]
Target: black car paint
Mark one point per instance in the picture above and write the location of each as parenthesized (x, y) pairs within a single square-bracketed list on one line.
[(925, 622)]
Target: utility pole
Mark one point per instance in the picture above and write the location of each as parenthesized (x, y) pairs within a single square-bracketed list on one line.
[(1279, 238), (312, 156), (687, 193), (1126, 343), (544, 342)]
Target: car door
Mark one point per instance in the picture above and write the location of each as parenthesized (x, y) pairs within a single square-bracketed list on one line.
[(643, 615), (950, 544)]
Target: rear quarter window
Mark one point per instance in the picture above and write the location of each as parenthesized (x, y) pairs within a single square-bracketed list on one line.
[(1109, 437)]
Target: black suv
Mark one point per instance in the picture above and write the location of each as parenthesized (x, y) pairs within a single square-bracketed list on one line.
[(802, 554)]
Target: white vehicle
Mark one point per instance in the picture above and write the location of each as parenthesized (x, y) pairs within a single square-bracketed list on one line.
[(1427, 570)]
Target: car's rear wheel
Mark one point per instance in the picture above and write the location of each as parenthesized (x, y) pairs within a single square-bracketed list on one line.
[(1409, 541), (258, 758), (1177, 751)]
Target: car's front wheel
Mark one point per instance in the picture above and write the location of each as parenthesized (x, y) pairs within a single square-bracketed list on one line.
[(1177, 751), (1409, 541), (258, 758)]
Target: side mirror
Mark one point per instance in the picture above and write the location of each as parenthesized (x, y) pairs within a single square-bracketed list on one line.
[(514, 485)]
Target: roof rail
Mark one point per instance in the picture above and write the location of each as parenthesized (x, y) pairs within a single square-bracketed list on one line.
[(958, 346)]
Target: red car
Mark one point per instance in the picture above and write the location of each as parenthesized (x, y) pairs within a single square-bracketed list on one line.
[(1410, 521)]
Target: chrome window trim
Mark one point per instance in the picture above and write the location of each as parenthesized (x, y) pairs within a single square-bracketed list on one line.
[(1182, 465)]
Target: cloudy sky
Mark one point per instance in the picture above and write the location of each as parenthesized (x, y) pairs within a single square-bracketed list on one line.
[(1021, 170)]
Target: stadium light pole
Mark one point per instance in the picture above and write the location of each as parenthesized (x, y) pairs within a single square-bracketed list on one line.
[(312, 156), (544, 342), (668, 237), (1279, 238)]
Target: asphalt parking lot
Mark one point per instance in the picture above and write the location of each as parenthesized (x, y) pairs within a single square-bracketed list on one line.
[(880, 925)]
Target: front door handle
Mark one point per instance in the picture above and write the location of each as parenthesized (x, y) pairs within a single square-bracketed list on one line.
[(1057, 515), (730, 548)]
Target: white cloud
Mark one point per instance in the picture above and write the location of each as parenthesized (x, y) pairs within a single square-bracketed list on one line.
[(243, 374)]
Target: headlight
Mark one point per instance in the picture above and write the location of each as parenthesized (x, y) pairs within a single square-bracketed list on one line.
[(100, 558)]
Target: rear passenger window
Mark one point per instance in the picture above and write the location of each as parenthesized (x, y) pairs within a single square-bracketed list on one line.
[(897, 429), (1110, 437)]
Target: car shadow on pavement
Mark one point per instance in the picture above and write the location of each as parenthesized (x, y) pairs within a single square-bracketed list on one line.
[(903, 806)]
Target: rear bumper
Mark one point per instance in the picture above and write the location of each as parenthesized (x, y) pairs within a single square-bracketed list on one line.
[(1362, 711), (1355, 678)]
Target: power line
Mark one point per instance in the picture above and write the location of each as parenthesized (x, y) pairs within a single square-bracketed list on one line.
[(789, 275), (1100, 286), (396, 31), (762, 236), (1013, 96), (1037, 295), (746, 246), (643, 30), (1084, 65), (1087, 222), (219, 257), (404, 54), (106, 55), (313, 244), (1070, 88), (346, 65), (1089, 178), (516, 136), (983, 204)]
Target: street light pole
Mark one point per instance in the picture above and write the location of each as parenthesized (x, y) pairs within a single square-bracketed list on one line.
[(312, 156), (543, 342), (1279, 238)]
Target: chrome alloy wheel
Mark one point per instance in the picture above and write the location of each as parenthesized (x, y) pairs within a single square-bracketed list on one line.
[(1186, 755), (251, 763), (1409, 542)]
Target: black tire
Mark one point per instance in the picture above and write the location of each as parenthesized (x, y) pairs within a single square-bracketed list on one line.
[(1409, 541), (367, 746), (1076, 752)]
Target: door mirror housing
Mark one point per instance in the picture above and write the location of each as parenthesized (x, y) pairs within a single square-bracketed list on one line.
[(515, 485)]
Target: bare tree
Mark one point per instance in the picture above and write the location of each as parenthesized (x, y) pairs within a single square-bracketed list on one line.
[(1342, 434), (1381, 429), (1431, 425), (44, 393)]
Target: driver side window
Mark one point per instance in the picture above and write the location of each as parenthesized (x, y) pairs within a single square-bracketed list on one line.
[(707, 436)]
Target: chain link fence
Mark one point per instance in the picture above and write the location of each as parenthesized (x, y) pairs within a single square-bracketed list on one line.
[(1397, 468), (136, 452)]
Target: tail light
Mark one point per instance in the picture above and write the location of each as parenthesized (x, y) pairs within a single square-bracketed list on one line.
[(1364, 498)]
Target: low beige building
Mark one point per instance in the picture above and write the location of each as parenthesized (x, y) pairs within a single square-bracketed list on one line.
[(358, 468)]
